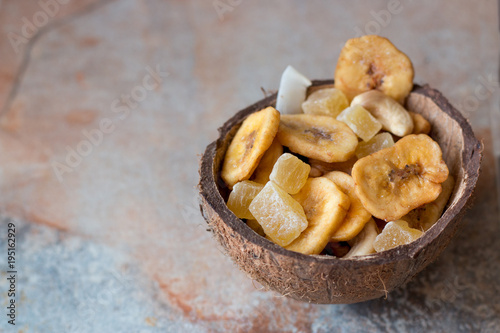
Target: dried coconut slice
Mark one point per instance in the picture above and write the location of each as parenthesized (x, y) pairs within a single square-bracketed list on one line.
[(292, 91)]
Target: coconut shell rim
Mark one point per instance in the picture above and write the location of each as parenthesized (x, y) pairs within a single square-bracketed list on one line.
[(471, 161)]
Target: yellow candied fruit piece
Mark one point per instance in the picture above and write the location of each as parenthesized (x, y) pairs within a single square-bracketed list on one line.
[(395, 233), (378, 142), (290, 173), (360, 121), (328, 102), (241, 196), (282, 218)]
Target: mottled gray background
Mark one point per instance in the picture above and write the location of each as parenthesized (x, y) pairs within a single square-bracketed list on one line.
[(115, 242)]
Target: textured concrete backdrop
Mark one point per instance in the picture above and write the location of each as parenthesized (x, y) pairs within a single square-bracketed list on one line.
[(105, 108)]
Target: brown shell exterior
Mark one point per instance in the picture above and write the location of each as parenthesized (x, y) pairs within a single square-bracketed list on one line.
[(325, 279)]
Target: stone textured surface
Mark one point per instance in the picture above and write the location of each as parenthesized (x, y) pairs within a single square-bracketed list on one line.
[(113, 241)]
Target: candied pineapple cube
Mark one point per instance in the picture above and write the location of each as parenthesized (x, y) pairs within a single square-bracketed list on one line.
[(282, 218), (395, 233), (360, 121), (378, 142), (241, 196), (290, 173), (328, 102)]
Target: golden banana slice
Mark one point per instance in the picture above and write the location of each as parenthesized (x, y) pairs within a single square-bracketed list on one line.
[(373, 62), (357, 216), (393, 181), (320, 137), (420, 124), (266, 164), (325, 206), (393, 117), (253, 138), (424, 217), (362, 244)]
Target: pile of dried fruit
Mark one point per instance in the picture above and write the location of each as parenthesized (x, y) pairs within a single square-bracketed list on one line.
[(347, 171)]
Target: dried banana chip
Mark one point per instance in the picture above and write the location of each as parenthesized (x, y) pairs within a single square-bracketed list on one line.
[(420, 124), (251, 141), (357, 216), (266, 164), (320, 137), (373, 62), (424, 217), (325, 167), (393, 181), (325, 206)]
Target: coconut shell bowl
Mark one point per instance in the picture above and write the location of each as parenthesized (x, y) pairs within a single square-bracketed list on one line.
[(328, 279)]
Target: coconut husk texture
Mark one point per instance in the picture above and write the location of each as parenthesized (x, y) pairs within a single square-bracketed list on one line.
[(327, 279)]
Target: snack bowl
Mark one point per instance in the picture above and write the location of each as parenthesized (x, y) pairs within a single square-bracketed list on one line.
[(327, 279)]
